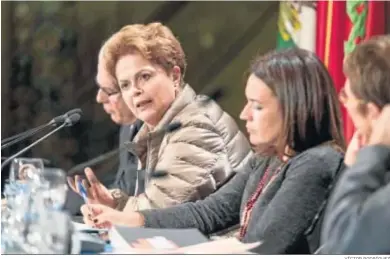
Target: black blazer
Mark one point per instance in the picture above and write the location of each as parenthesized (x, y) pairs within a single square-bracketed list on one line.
[(125, 177)]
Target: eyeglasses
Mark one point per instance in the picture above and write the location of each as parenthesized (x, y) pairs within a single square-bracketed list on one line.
[(109, 93)]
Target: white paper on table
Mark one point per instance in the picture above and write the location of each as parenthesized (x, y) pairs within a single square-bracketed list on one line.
[(119, 244), (220, 246)]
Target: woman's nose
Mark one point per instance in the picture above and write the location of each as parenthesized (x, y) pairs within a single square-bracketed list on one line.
[(244, 113)]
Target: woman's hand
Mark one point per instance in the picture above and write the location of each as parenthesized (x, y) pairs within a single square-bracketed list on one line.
[(89, 213), (98, 215), (96, 192)]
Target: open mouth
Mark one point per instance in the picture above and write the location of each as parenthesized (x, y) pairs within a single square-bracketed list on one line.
[(143, 104)]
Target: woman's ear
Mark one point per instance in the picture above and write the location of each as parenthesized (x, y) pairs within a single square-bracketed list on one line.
[(176, 75)]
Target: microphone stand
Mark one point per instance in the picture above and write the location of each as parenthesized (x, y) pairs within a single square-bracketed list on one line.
[(54, 122), (9, 159), (93, 161), (15, 139)]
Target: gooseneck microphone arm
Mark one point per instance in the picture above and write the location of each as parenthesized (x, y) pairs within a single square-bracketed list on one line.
[(68, 122), (9, 159), (27, 132), (94, 161), (24, 135)]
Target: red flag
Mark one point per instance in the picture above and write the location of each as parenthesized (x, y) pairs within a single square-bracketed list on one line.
[(340, 26)]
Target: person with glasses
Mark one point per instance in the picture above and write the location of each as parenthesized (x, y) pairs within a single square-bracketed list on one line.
[(126, 178), (358, 215), (193, 161)]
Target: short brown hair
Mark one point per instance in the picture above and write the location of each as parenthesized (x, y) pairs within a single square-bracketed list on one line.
[(368, 69), (154, 41), (307, 97)]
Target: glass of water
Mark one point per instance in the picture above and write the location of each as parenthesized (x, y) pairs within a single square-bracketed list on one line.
[(54, 188), (24, 170)]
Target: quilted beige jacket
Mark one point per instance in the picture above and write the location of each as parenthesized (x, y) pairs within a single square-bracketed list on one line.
[(198, 157)]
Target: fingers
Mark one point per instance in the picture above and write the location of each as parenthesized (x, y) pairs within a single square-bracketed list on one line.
[(101, 215), (71, 183), (91, 176), (84, 183), (102, 220), (85, 210), (93, 191), (87, 215), (75, 186), (88, 221), (95, 208), (90, 212), (77, 179)]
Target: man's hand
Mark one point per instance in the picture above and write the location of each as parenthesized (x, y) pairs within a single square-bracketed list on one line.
[(97, 193), (381, 129)]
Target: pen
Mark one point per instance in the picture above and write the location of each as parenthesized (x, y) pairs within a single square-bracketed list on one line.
[(83, 191)]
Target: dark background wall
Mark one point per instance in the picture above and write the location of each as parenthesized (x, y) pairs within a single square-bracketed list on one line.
[(49, 52)]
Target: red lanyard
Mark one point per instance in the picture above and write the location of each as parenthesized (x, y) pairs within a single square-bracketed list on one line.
[(251, 202)]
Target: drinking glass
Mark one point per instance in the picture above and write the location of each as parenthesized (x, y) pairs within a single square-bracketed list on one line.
[(23, 170), (54, 188)]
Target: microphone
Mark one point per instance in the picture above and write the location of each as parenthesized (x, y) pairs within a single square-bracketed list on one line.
[(69, 121), (167, 129), (61, 119), (54, 122)]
